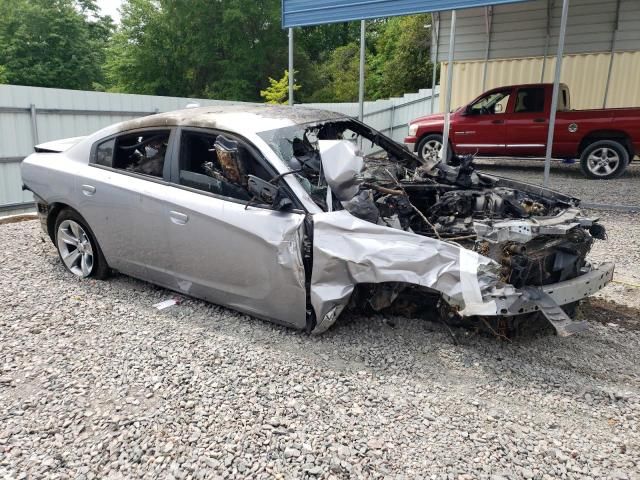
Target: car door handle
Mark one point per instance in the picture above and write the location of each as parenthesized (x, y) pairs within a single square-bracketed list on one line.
[(178, 218), (88, 190), (497, 122), (539, 120)]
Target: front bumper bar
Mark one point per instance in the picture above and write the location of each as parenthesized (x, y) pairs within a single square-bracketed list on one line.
[(548, 299)]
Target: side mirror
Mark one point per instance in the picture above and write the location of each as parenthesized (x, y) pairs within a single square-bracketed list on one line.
[(497, 108), (268, 193)]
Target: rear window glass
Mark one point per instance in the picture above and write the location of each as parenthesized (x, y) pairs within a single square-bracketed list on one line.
[(104, 153)]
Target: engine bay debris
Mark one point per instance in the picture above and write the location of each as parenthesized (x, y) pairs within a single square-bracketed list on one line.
[(530, 236)]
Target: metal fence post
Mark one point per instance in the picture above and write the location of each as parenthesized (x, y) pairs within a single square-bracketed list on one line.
[(34, 123), (392, 121)]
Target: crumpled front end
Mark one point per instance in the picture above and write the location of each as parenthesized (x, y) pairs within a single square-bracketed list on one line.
[(396, 228), (349, 251)]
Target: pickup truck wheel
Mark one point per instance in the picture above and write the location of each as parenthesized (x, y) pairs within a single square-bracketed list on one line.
[(430, 146), (604, 159)]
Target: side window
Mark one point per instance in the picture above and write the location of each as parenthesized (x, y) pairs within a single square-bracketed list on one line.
[(104, 153), (491, 104), (217, 164), (530, 100), (142, 152)]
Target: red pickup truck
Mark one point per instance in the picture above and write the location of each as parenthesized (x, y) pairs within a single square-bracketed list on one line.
[(513, 121)]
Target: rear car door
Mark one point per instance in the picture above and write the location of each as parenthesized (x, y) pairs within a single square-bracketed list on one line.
[(480, 128), (225, 246), (121, 197), (527, 123)]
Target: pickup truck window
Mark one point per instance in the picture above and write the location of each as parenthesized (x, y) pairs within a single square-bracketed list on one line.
[(493, 103), (530, 100)]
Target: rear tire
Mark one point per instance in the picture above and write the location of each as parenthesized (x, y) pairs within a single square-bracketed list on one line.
[(604, 159), (77, 246), (429, 148)]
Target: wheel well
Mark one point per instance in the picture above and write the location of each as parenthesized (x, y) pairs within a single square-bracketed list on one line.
[(617, 135), (54, 211), (435, 132)]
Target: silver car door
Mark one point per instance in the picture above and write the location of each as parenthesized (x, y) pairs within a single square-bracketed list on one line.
[(247, 258), (126, 211)]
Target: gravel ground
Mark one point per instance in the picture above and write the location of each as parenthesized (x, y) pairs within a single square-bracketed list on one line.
[(569, 179), (623, 248), (96, 383)]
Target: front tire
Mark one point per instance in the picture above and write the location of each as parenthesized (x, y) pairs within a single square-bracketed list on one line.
[(430, 146), (604, 159), (77, 247)]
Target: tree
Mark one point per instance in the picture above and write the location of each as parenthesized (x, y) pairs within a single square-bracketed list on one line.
[(402, 61), (3, 75), (278, 90), (53, 43), (224, 50)]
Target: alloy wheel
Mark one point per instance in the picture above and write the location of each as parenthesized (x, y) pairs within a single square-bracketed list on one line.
[(431, 150), (603, 161), (75, 248)]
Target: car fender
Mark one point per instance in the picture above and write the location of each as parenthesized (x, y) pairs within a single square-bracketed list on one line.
[(348, 251)]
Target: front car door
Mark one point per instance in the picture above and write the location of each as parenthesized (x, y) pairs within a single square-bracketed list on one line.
[(226, 247), (480, 128)]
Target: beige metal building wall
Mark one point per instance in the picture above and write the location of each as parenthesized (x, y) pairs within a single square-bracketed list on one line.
[(585, 74)]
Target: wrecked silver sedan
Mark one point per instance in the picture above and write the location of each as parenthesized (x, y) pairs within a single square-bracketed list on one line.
[(293, 215)]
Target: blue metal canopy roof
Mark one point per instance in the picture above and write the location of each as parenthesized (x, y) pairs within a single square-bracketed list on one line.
[(298, 13)]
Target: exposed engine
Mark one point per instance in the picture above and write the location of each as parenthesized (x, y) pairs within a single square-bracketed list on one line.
[(537, 235)]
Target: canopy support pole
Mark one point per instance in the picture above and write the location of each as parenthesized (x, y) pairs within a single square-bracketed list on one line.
[(612, 53), (488, 21), (447, 103), (361, 81), (291, 66), (546, 41), (556, 90), (435, 32)]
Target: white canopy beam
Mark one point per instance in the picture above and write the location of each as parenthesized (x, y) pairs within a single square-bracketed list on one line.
[(556, 90), (291, 66), (447, 103), (363, 28)]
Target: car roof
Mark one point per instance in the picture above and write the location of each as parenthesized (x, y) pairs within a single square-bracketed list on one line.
[(247, 118)]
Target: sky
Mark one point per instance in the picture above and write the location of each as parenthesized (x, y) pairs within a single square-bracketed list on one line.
[(110, 7)]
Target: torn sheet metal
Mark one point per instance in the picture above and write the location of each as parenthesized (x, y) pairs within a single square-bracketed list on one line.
[(341, 165), (348, 251)]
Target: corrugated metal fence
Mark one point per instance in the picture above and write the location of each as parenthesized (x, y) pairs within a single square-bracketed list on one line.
[(32, 115)]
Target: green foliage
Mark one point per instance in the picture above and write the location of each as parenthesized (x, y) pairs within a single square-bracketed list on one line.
[(402, 62), (397, 62), (52, 43), (224, 50), (278, 90)]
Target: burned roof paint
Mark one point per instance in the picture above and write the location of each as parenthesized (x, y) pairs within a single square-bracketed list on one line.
[(238, 117)]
